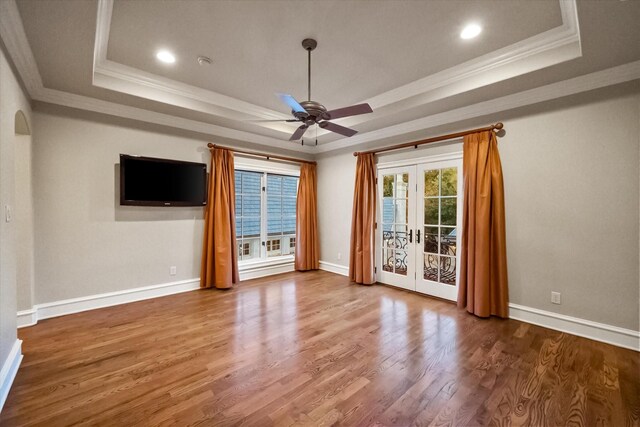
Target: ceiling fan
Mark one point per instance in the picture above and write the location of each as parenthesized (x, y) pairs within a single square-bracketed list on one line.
[(311, 113)]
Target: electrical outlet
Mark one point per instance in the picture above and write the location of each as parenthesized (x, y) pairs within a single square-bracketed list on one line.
[(339, 256), (555, 297), (8, 215), (172, 270)]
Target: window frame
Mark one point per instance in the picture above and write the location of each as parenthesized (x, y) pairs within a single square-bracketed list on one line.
[(264, 167)]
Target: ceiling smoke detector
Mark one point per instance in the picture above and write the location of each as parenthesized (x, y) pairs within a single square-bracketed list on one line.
[(204, 60)]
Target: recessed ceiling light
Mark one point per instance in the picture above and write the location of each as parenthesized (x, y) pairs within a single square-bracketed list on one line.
[(470, 31), (166, 56)]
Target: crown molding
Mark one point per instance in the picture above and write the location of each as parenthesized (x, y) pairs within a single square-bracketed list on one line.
[(122, 78), (551, 47), (17, 44), (15, 40), (67, 99), (596, 80)]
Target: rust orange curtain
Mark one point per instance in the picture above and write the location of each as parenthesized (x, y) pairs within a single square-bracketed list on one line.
[(483, 287), (362, 252), (307, 243), (219, 250)]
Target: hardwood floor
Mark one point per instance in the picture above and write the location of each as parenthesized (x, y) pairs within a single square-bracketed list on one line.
[(313, 349)]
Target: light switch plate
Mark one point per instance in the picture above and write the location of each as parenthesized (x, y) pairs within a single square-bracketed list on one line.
[(8, 216)]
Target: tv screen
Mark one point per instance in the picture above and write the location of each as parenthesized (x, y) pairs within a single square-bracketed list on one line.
[(146, 181)]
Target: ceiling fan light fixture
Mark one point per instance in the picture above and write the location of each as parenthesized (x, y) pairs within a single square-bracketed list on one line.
[(470, 31), (165, 56), (311, 112)]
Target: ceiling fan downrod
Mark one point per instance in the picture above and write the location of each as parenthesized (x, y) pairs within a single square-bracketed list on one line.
[(309, 45)]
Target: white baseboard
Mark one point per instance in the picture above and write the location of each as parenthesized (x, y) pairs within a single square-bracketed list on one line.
[(609, 334), (614, 335), (248, 271), (91, 302), (76, 305), (27, 317), (334, 268), (9, 371)]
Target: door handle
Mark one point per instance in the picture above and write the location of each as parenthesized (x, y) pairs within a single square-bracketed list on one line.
[(417, 236), (410, 236)]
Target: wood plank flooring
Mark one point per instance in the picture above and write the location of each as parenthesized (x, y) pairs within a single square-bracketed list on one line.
[(313, 349)]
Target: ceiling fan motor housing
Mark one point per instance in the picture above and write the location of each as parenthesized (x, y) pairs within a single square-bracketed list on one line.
[(315, 112)]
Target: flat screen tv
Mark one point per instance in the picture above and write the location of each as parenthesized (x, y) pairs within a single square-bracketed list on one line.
[(147, 181)]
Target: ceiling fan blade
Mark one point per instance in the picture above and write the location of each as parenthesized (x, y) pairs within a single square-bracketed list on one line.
[(272, 121), (299, 132), (291, 102), (353, 110), (337, 128)]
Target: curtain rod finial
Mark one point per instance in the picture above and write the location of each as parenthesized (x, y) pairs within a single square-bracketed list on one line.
[(355, 154), (211, 145), (498, 125)]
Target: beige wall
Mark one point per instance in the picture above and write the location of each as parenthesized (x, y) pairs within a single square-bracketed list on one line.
[(571, 171), (86, 243), (24, 221), (12, 99)]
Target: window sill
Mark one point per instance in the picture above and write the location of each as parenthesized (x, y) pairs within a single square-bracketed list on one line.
[(271, 262)]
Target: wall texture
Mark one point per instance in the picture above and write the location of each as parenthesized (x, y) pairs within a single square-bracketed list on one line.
[(23, 212), (86, 243), (571, 171), (12, 99)]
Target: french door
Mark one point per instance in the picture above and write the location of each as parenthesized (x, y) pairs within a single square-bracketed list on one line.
[(420, 219), (397, 250)]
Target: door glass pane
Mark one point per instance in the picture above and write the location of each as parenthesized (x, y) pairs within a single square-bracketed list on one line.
[(448, 211), (448, 241), (431, 267), (402, 213), (448, 270), (387, 185), (402, 185), (401, 262), (387, 211), (431, 211), (431, 182), (431, 236), (402, 237), (449, 181), (387, 239), (387, 260)]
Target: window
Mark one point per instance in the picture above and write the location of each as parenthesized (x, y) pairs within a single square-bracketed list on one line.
[(265, 214), (281, 213), (248, 213), (244, 249)]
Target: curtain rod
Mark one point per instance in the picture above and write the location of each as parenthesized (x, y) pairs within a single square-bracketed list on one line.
[(415, 144), (256, 154)]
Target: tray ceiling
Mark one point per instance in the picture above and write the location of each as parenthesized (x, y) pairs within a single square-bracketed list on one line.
[(403, 57)]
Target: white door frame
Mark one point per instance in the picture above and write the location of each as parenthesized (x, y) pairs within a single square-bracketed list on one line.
[(414, 279)]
